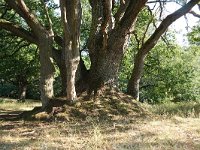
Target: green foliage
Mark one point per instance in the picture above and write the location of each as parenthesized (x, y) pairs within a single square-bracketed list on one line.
[(8, 90), (19, 60), (171, 73), (194, 36), (126, 68), (86, 22)]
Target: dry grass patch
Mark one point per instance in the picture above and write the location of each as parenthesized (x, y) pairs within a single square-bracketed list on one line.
[(176, 133)]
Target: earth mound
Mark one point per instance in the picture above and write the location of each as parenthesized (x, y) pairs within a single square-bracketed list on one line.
[(109, 106)]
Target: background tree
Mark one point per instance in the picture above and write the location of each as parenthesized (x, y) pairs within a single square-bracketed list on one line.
[(19, 65), (133, 85), (33, 31)]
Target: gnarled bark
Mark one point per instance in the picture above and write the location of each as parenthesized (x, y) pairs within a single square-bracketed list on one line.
[(107, 42)]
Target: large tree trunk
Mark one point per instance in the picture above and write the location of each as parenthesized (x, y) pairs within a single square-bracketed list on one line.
[(46, 68), (42, 37), (81, 73), (105, 65), (108, 40), (133, 84), (71, 19)]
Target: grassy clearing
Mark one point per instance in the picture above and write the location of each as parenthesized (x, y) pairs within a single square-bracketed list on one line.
[(181, 109), (7, 104), (125, 133)]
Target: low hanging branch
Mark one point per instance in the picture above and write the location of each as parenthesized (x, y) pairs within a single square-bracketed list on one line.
[(18, 31), (20, 7)]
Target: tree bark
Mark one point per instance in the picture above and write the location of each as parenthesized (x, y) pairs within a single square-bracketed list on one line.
[(133, 84), (71, 19), (134, 81), (46, 68), (40, 36), (108, 40)]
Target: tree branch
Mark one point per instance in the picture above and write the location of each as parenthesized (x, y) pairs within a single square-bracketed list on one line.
[(18, 31), (151, 42), (107, 15), (131, 14), (195, 14), (95, 24), (160, 1), (67, 32), (47, 15), (20, 7), (121, 10)]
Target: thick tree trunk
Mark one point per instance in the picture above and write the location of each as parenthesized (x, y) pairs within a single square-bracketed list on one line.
[(71, 19), (46, 68), (106, 58), (104, 71), (133, 84), (108, 39)]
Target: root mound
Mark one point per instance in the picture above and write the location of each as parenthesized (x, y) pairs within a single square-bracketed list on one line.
[(110, 106)]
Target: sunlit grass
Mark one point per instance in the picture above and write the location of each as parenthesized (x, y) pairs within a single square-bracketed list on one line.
[(176, 133), (182, 109), (12, 104)]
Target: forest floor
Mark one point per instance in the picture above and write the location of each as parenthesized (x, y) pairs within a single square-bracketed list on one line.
[(154, 132)]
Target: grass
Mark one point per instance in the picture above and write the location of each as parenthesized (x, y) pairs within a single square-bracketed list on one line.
[(182, 109), (175, 132), (8, 104)]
